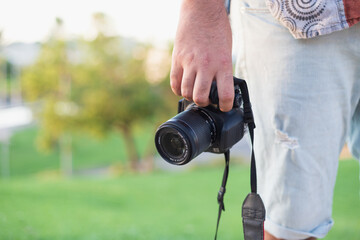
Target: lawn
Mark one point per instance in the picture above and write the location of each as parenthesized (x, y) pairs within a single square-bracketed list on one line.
[(88, 152), (155, 206)]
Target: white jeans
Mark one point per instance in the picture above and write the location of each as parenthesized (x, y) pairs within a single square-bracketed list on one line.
[(306, 102)]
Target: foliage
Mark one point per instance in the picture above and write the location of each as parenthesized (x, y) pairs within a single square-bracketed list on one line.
[(95, 86), (49, 81), (111, 87)]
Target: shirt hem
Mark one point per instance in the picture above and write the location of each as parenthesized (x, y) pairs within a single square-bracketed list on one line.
[(321, 31)]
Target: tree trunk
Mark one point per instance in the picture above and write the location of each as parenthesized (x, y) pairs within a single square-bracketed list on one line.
[(133, 155), (149, 155), (149, 159), (66, 164), (5, 160)]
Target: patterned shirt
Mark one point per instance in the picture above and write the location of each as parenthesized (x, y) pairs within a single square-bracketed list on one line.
[(311, 18)]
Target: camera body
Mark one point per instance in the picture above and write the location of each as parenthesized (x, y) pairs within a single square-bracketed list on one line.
[(197, 129), (228, 127)]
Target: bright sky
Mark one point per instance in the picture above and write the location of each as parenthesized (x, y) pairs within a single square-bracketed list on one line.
[(145, 20)]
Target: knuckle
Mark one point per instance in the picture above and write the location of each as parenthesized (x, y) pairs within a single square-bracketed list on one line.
[(201, 61), (201, 100), (186, 92), (226, 104), (205, 61), (226, 61), (186, 84), (187, 95), (225, 109), (188, 59), (225, 57), (176, 54), (176, 91)]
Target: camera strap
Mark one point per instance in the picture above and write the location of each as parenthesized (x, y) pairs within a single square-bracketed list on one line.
[(253, 210), (221, 193)]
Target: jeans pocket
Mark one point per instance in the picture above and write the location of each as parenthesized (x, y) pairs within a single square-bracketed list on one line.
[(254, 6), (255, 10)]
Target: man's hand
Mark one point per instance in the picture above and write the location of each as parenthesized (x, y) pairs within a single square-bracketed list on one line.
[(202, 53)]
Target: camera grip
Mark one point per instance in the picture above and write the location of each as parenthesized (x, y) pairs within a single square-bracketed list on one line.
[(253, 214)]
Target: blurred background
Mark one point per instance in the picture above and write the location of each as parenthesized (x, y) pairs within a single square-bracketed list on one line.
[(83, 87)]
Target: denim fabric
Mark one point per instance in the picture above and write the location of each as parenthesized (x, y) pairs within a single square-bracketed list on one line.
[(306, 100)]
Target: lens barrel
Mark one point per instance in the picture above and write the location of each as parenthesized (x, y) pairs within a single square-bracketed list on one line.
[(185, 136)]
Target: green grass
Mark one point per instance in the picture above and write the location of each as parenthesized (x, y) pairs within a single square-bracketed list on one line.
[(157, 206), (153, 207), (88, 152), (346, 210)]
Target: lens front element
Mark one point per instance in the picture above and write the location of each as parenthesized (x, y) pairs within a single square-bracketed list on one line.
[(173, 144)]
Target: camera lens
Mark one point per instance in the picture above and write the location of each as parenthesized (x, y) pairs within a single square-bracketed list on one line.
[(173, 144), (185, 136)]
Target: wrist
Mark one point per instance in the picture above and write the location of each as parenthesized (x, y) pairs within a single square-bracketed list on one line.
[(206, 5), (208, 12)]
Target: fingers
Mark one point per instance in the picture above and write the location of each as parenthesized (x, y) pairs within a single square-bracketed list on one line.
[(225, 87), (202, 88), (176, 74), (187, 84), (195, 85)]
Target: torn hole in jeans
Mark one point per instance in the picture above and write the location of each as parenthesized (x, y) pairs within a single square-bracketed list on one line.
[(284, 140)]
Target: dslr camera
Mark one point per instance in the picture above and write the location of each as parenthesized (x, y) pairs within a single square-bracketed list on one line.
[(201, 129)]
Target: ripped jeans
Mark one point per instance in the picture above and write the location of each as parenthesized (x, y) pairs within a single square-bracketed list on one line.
[(306, 101)]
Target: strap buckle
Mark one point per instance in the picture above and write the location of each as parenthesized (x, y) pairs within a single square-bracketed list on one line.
[(220, 198)]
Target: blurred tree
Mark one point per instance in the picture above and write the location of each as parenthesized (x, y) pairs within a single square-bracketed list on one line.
[(50, 80), (112, 87), (99, 87)]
